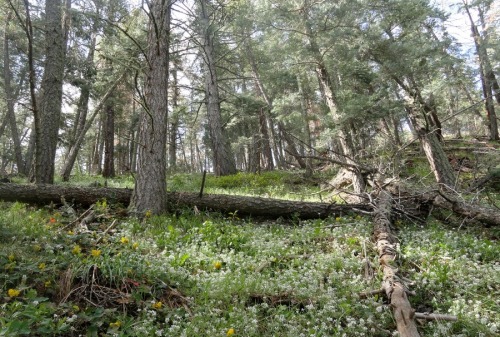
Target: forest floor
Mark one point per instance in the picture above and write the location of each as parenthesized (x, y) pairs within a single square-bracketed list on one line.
[(207, 274)]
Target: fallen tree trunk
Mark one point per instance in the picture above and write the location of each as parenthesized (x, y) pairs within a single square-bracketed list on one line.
[(395, 290), (256, 206), (449, 202), (472, 211)]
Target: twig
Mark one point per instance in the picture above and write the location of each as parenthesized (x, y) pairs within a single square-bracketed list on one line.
[(435, 317), (83, 215), (371, 293), (106, 231)]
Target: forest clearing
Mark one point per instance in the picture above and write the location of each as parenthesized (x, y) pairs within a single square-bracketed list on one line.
[(249, 168)]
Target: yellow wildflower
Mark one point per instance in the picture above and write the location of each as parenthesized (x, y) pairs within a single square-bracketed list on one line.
[(37, 248), (12, 257), (116, 324), (95, 252), (13, 292), (217, 265), (148, 213), (157, 305), (76, 250), (47, 283), (230, 332), (41, 266), (338, 219), (70, 233), (135, 245), (124, 240)]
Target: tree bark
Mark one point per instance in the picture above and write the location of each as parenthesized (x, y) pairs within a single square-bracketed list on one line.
[(50, 93), (391, 284), (441, 199), (485, 72), (108, 170), (305, 105), (264, 143), (255, 206), (150, 192), (438, 161), (223, 159), (174, 120), (9, 96)]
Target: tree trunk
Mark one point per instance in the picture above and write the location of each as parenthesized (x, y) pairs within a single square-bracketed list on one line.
[(291, 148), (108, 170), (150, 192), (485, 72), (264, 143), (438, 161), (242, 205), (174, 121), (441, 199), (223, 159), (133, 146), (82, 108), (328, 94), (80, 137), (305, 105), (9, 96), (98, 148), (50, 102)]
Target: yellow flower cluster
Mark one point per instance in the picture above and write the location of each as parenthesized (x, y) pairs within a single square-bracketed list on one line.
[(230, 332), (76, 250), (115, 325), (95, 252), (217, 265), (13, 292), (124, 240), (41, 266), (157, 305)]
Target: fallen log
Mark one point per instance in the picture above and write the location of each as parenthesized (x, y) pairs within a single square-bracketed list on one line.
[(394, 289), (255, 206), (491, 179), (445, 200), (472, 211)]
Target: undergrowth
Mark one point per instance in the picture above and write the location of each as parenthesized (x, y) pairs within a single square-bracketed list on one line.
[(212, 275)]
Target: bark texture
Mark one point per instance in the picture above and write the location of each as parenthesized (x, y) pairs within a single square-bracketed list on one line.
[(262, 207), (395, 290), (108, 170), (50, 102), (223, 159), (487, 76), (441, 199), (9, 96), (438, 161), (150, 193)]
